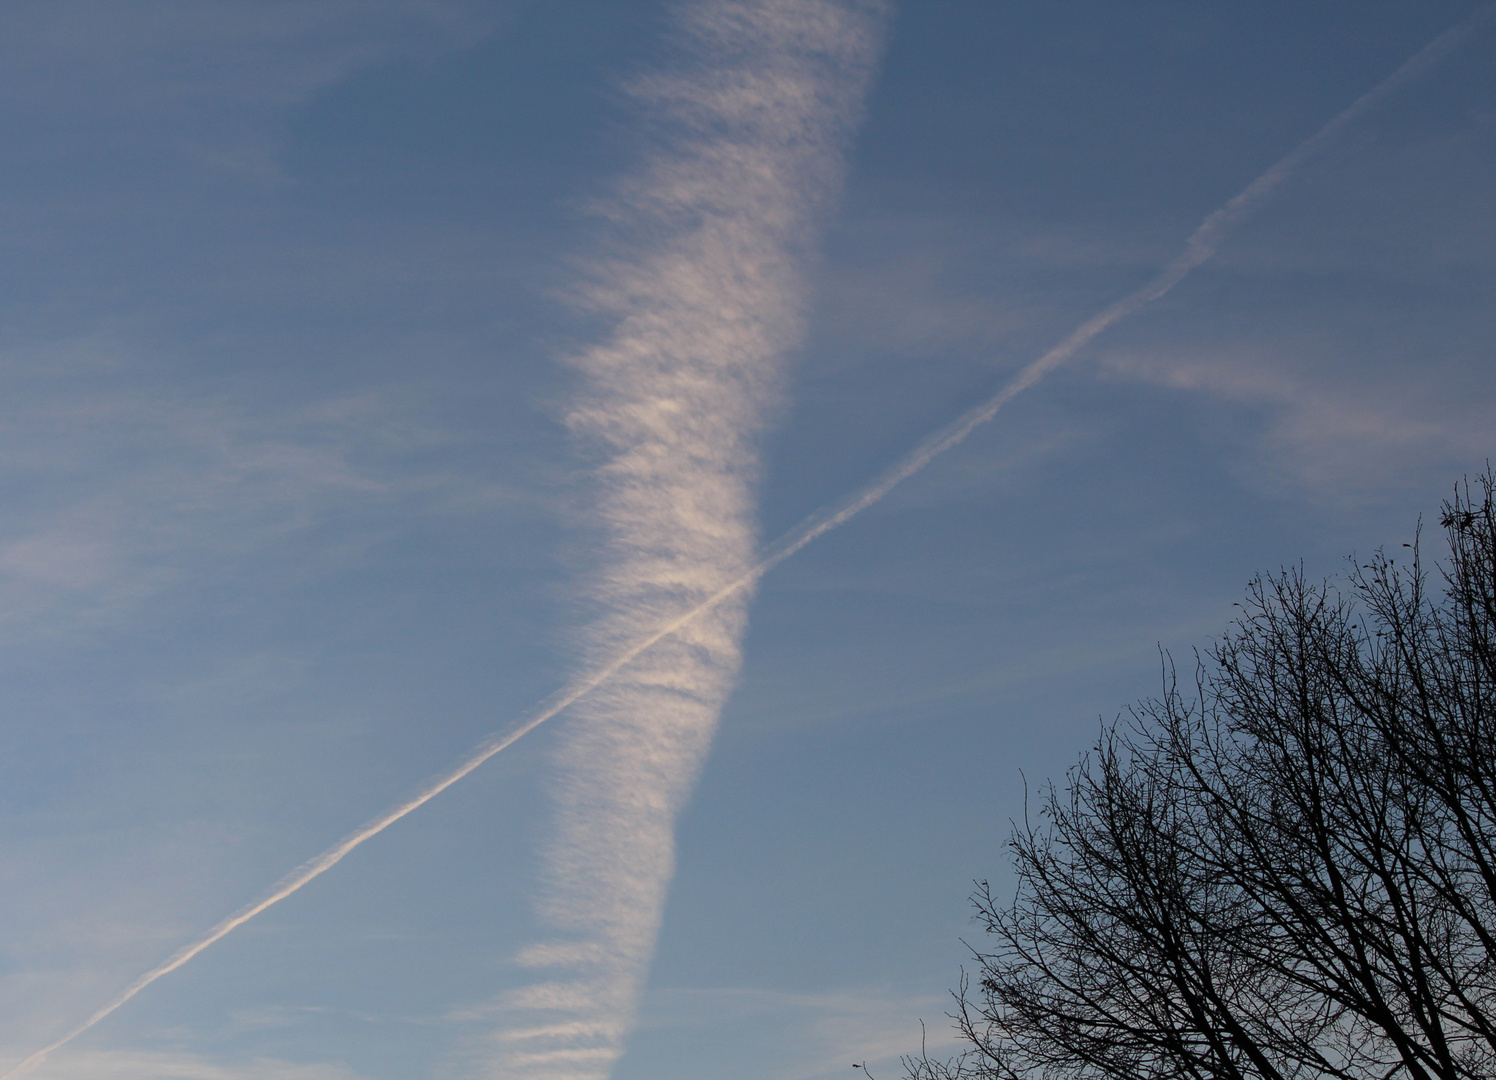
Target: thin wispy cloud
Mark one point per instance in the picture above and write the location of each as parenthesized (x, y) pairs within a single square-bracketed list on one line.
[(1323, 435), (211, 82), (115, 497), (815, 1034), (177, 1065), (675, 489)]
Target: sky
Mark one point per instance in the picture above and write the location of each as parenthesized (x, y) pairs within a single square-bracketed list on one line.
[(385, 378)]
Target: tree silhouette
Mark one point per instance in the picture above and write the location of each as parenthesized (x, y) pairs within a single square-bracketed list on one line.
[(1286, 870)]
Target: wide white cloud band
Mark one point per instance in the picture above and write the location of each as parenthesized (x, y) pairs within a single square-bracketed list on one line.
[(706, 288)]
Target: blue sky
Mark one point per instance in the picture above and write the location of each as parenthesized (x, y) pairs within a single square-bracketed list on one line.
[(374, 368)]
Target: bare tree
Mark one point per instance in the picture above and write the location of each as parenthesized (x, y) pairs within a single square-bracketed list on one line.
[(1285, 872)]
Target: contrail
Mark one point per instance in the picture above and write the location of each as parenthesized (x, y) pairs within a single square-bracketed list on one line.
[(1201, 246), (707, 294)]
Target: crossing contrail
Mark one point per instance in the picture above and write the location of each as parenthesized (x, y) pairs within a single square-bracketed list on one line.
[(1201, 246)]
